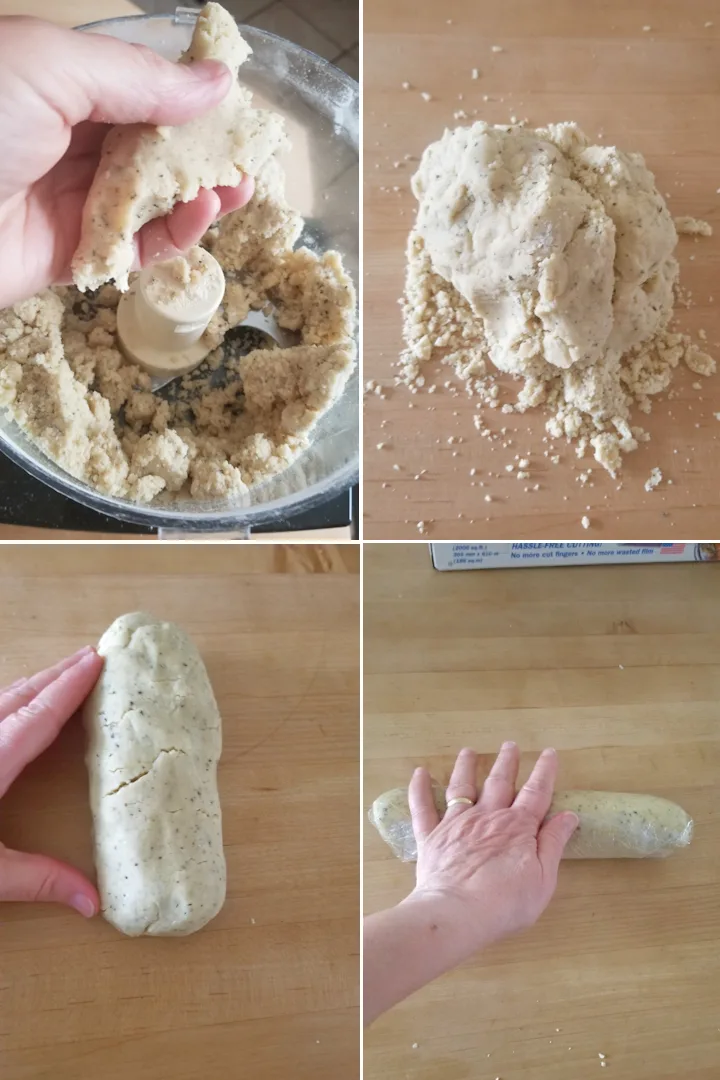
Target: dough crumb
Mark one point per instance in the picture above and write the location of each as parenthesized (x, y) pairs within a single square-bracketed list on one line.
[(690, 226), (585, 522), (653, 480)]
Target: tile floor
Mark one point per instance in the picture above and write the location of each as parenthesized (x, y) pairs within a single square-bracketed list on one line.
[(329, 28)]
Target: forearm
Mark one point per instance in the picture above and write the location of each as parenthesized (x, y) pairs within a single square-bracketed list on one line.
[(406, 947)]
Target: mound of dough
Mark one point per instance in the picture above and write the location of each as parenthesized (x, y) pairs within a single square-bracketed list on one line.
[(554, 260), (563, 249), (144, 170)]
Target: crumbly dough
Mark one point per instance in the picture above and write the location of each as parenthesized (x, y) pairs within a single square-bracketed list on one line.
[(613, 825), (184, 282), (145, 170), (548, 258), (691, 226), (154, 742), (66, 383)]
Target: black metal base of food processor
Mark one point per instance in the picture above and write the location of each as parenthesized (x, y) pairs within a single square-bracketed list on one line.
[(28, 502)]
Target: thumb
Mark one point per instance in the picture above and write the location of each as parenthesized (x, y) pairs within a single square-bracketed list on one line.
[(83, 76), (553, 837), (130, 84), (38, 877)]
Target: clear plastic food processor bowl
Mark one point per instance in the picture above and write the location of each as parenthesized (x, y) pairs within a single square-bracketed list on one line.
[(320, 106)]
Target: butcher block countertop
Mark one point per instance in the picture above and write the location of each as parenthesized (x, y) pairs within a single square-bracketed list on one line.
[(269, 988), (70, 12), (619, 668), (656, 91)]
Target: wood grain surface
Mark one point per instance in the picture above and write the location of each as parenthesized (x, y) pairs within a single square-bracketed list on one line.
[(618, 668), (269, 988), (70, 12), (657, 92)]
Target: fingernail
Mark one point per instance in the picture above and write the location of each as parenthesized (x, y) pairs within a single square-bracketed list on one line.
[(86, 649), (507, 746), (83, 904)]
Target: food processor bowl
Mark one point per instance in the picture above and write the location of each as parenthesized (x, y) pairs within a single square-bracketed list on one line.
[(320, 105)]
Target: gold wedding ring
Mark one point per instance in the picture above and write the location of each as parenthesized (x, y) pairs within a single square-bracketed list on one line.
[(461, 800)]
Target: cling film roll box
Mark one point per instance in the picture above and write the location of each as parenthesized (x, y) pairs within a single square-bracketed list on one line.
[(495, 556)]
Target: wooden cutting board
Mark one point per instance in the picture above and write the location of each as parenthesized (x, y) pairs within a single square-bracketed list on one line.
[(617, 667), (654, 91), (269, 988)]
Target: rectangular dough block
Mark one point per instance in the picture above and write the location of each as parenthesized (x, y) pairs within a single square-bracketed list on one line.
[(154, 741)]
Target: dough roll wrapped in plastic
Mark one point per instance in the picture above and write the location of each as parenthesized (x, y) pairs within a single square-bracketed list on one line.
[(154, 742), (613, 825)]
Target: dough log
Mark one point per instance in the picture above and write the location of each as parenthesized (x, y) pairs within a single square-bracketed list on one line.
[(613, 825), (154, 742)]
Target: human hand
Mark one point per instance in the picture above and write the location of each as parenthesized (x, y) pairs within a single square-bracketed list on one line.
[(59, 91), (490, 867), (32, 712)]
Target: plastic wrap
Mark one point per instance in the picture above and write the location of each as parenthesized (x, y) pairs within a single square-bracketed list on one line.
[(613, 825)]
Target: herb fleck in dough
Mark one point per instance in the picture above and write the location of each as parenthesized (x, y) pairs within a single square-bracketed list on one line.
[(154, 741)]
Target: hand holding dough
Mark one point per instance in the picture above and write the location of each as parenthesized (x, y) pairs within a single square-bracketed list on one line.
[(612, 825), (154, 744), (145, 170)]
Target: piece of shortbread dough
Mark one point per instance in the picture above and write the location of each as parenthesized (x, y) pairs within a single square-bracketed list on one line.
[(145, 170), (564, 249), (154, 741)]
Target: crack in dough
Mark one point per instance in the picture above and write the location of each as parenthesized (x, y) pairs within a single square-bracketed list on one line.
[(145, 772)]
